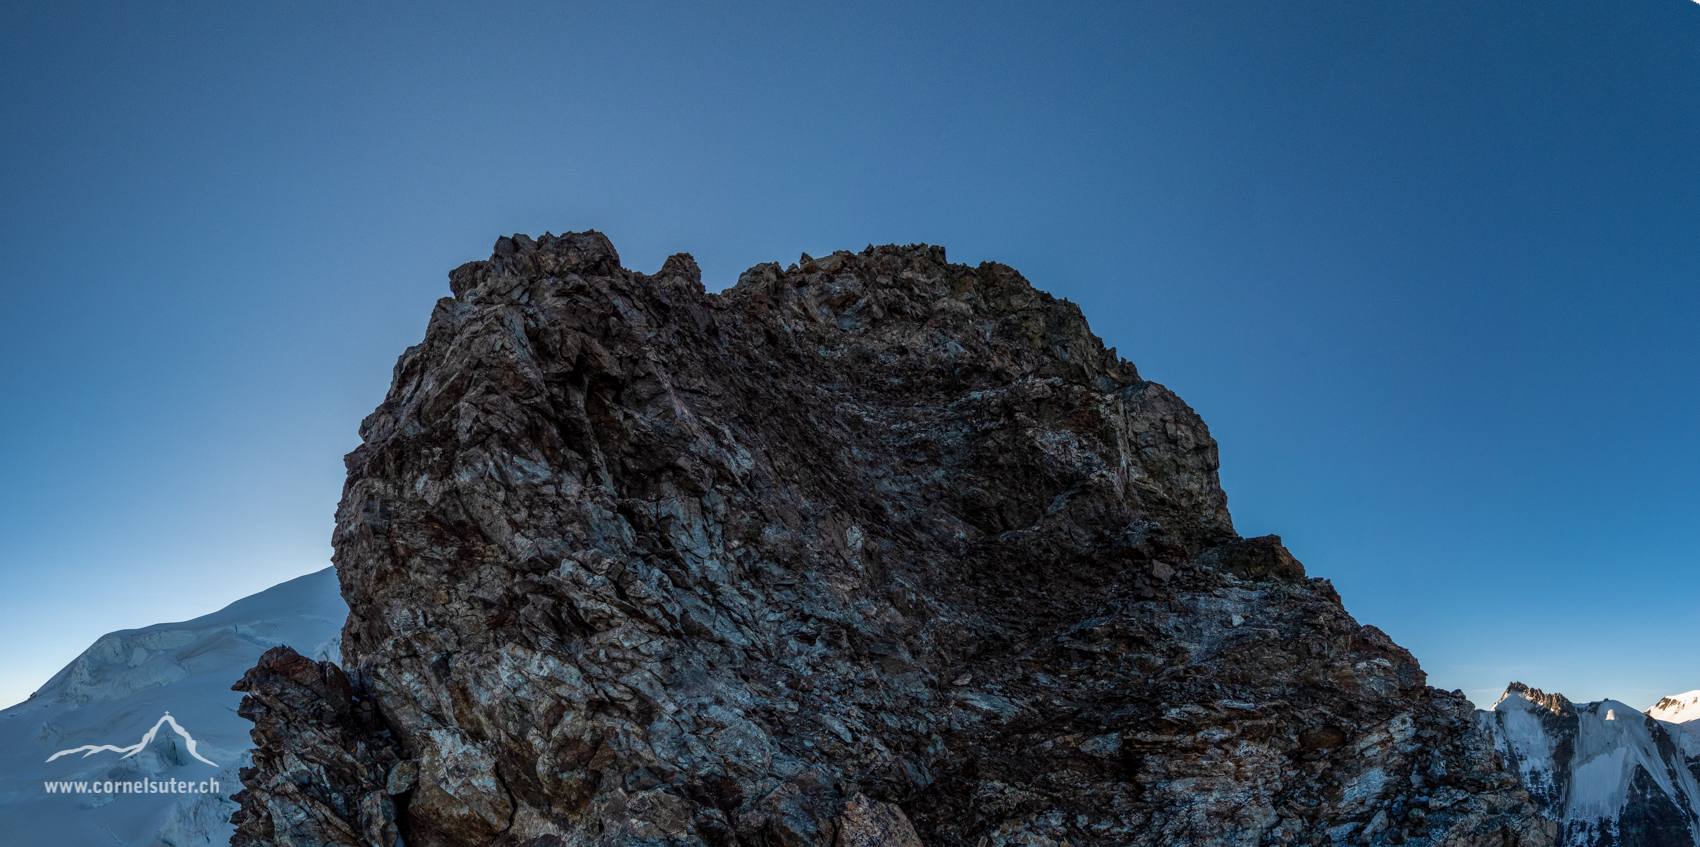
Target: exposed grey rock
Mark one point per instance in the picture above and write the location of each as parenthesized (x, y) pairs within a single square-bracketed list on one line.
[(867, 823), (872, 549), (321, 758)]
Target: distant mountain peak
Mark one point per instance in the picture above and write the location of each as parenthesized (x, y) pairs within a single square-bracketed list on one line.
[(1518, 695), (1609, 776), (1677, 708)]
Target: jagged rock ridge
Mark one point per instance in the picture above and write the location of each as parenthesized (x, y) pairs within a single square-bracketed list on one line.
[(874, 549)]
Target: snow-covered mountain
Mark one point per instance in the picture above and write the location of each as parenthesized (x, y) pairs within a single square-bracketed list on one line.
[(116, 696), (1607, 773), (1677, 708)]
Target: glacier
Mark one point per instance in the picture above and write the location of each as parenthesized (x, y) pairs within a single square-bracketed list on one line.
[(1610, 775), (116, 695)]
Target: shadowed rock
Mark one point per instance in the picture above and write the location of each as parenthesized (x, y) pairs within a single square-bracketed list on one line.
[(874, 549)]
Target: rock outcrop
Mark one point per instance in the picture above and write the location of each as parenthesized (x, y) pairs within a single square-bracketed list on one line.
[(340, 794), (871, 550)]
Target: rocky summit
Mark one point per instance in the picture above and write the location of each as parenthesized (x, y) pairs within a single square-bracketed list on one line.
[(871, 550)]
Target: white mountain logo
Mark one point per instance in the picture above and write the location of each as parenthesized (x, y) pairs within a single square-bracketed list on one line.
[(90, 749)]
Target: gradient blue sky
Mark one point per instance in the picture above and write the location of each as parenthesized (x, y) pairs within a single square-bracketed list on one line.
[(1427, 269)]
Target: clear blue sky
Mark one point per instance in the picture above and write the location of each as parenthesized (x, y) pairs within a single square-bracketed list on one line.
[(1427, 269)]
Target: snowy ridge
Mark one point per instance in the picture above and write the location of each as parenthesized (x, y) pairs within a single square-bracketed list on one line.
[(1607, 773), (117, 692), (1677, 708), (1528, 728)]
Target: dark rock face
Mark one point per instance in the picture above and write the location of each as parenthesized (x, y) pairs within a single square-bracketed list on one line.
[(876, 549), (321, 760)]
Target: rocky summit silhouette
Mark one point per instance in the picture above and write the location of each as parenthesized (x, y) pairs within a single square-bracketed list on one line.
[(871, 550)]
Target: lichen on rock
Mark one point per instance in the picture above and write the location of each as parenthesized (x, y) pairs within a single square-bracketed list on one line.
[(873, 549)]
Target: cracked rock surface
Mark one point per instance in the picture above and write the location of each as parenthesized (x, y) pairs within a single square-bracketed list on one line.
[(871, 550)]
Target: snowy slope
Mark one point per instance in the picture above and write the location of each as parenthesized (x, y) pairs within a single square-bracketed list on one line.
[(121, 687), (1677, 708), (1607, 773)]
